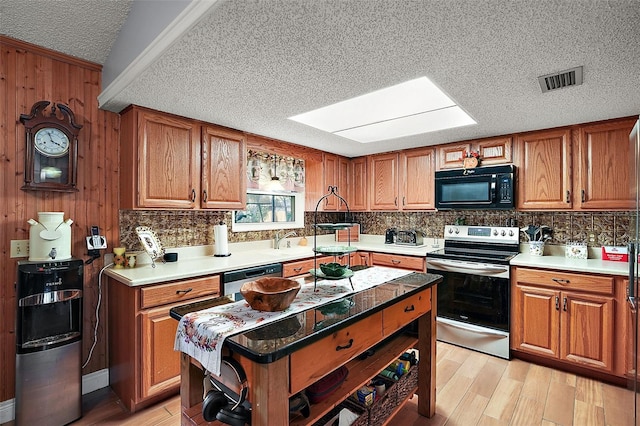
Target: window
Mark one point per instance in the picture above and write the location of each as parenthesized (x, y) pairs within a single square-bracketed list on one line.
[(270, 210)]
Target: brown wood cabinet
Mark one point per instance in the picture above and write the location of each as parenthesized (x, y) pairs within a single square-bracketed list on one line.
[(224, 169), (492, 151), (358, 185), (159, 160), (402, 181), (297, 268), (581, 168), (602, 166), (175, 163), (336, 173), (413, 263), (564, 316), (144, 368), (544, 170)]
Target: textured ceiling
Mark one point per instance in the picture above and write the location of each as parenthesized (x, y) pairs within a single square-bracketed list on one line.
[(251, 64)]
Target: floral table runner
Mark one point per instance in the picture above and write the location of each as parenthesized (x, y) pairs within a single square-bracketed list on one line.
[(201, 334)]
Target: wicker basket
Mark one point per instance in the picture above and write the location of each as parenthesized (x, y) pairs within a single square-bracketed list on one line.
[(407, 383)]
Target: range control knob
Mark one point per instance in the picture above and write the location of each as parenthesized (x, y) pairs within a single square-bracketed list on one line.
[(451, 230), (511, 233), (495, 232), (457, 231), (503, 233)]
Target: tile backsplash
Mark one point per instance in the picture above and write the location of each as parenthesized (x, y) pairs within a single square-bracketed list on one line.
[(180, 228)]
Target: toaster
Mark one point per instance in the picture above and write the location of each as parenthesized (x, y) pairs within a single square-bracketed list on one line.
[(409, 238)]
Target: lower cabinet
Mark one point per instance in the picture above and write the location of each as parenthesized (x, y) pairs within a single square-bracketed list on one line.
[(565, 316), (302, 267), (413, 263), (143, 367)]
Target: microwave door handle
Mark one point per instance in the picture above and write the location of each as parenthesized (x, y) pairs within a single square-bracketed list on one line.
[(493, 191)]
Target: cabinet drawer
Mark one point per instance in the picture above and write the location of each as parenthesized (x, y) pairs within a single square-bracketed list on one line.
[(402, 313), (397, 261), (178, 291), (569, 281), (301, 267), (313, 362)]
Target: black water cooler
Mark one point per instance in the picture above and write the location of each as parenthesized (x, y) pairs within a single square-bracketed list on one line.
[(49, 342)]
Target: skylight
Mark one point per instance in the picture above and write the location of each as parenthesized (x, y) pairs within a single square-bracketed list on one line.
[(410, 108)]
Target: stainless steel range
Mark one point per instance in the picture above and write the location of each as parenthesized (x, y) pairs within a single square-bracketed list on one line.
[(474, 296)]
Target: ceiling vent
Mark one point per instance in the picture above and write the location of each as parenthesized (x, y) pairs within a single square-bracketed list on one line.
[(558, 80)]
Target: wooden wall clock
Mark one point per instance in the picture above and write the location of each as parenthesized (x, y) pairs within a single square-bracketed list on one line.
[(51, 158)]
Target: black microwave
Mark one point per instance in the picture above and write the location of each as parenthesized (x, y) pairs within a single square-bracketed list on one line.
[(481, 188)]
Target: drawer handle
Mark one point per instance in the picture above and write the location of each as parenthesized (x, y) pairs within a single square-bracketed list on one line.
[(395, 262), (409, 308), (347, 346), (183, 291), (560, 281), (297, 269)]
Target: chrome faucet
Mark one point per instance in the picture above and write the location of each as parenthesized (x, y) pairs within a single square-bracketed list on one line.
[(277, 239)]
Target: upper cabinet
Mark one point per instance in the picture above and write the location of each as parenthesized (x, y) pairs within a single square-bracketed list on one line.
[(159, 160), (358, 185), (336, 173), (492, 151), (544, 170), (169, 162), (224, 159), (402, 181), (602, 166), (581, 168)]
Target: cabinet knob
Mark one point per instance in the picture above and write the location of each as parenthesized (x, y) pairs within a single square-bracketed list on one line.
[(564, 305), (568, 196), (204, 196), (193, 195), (557, 303), (583, 197)]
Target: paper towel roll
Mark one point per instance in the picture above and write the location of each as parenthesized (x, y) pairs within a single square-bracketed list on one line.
[(221, 243)]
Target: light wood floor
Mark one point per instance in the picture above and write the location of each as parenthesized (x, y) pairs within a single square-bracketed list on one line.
[(472, 389)]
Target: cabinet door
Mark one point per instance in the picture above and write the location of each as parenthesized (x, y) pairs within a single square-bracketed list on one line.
[(495, 151), (603, 171), (168, 161), (359, 185), (160, 364), (343, 182), (224, 167), (383, 172), (587, 330), (418, 174), (536, 320), (544, 172), (450, 156), (330, 173), (361, 258)]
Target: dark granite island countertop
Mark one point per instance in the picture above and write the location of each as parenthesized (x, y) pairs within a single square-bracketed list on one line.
[(280, 338), (284, 357)]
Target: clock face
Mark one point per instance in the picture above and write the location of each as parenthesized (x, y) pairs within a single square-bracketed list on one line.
[(51, 142)]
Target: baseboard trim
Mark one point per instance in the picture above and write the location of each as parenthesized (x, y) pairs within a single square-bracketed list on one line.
[(90, 382)]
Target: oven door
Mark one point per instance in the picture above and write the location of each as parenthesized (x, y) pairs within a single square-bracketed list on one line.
[(473, 305)]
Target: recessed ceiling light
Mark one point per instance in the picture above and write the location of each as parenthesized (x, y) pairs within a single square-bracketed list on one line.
[(410, 108)]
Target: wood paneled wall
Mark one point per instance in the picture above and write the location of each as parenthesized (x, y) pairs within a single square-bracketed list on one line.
[(29, 74)]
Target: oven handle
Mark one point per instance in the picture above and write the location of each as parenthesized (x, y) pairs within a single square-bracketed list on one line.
[(50, 297), (471, 327), (452, 264)]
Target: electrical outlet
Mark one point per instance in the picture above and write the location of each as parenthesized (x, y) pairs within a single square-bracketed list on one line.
[(19, 248)]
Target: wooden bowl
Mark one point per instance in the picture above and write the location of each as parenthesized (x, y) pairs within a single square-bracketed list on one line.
[(270, 294)]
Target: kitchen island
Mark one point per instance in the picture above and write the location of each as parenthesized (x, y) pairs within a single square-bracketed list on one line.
[(382, 322)]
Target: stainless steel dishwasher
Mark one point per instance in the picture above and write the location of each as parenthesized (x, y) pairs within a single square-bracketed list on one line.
[(233, 280)]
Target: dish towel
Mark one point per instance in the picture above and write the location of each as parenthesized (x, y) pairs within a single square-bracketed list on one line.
[(201, 334)]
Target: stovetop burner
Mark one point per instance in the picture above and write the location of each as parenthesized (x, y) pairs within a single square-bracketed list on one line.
[(485, 244)]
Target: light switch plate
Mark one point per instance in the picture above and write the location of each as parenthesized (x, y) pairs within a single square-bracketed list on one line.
[(19, 248)]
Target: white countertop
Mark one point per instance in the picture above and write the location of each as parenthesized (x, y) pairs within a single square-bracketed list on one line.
[(198, 261), (592, 266)]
